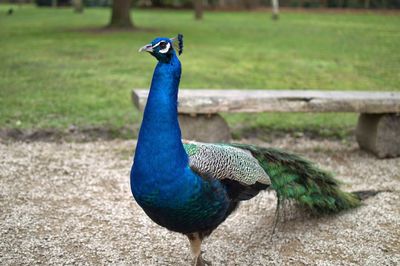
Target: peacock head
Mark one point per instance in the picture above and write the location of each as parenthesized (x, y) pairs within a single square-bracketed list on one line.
[(164, 48)]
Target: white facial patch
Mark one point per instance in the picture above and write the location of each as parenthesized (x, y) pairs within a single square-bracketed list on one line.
[(166, 49)]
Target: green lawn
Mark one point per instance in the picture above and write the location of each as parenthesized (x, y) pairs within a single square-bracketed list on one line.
[(53, 74)]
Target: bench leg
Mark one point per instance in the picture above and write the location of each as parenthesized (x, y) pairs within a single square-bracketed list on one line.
[(380, 134), (206, 128)]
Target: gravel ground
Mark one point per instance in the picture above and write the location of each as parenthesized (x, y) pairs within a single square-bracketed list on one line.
[(70, 203)]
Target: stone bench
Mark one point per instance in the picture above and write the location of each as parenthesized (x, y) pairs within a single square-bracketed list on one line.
[(378, 128)]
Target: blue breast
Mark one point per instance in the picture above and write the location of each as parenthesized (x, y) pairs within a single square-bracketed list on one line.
[(190, 204)]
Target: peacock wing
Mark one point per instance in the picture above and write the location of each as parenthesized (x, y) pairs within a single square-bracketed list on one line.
[(235, 167)]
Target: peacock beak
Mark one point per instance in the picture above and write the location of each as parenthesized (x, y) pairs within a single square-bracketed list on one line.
[(146, 48)]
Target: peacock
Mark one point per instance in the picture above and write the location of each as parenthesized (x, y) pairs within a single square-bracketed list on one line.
[(192, 187)]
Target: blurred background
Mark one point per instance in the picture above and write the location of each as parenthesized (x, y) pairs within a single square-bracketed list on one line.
[(68, 67), (228, 4)]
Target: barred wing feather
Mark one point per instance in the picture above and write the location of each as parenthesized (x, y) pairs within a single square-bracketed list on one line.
[(222, 161)]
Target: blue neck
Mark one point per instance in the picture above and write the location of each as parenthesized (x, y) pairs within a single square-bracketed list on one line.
[(159, 144)]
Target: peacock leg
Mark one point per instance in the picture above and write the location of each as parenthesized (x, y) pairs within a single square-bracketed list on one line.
[(195, 245)]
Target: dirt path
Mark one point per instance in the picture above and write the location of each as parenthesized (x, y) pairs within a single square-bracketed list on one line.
[(70, 203)]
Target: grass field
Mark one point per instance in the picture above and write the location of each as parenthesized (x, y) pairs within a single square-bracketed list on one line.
[(56, 72)]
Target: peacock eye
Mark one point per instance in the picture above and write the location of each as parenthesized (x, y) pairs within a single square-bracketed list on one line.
[(164, 47)]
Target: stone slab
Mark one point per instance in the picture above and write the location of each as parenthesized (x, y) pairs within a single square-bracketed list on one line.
[(205, 128), (199, 101), (379, 134)]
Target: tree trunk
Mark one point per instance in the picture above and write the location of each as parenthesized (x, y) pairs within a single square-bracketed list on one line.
[(198, 9), (78, 6), (275, 9), (121, 17)]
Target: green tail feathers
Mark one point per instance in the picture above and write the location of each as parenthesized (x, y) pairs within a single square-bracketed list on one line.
[(294, 178)]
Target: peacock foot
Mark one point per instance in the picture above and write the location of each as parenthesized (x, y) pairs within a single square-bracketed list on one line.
[(199, 261), (195, 244)]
